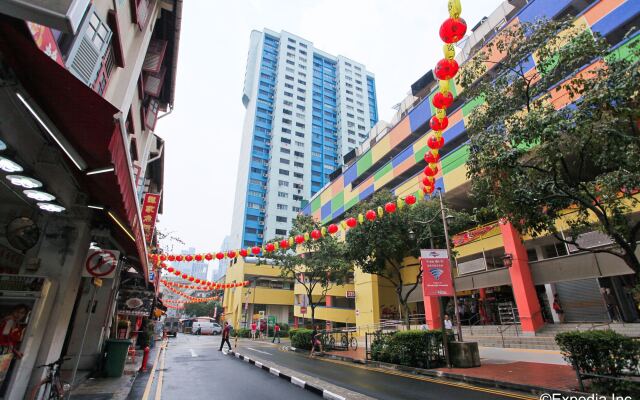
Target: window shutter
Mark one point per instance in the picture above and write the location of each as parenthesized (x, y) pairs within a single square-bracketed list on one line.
[(151, 114), (153, 83), (155, 55), (88, 48), (140, 12)]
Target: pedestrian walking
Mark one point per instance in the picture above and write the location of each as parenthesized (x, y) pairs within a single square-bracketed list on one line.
[(276, 333), (315, 340), (254, 327), (263, 329), (558, 308), (226, 331), (448, 324), (612, 305)]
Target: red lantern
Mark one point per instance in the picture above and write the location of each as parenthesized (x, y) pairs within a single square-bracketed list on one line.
[(410, 199), (435, 143), (177, 272), (333, 228), (163, 258), (446, 69), (243, 252), (439, 124), (246, 283), (255, 250), (299, 239), (170, 269), (198, 257), (316, 234), (231, 254), (270, 247), (428, 189), (191, 279), (430, 158), (351, 222), (179, 258), (428, 171), (427, 180), (284, 243), (442, 100), (197, 281), (219, 255), (188, 258), (370, 215), (390, 207), (452, 30), (208, 256), (171, 258), (185, 276)]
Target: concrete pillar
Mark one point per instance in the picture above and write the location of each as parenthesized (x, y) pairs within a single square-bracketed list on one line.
[(524, 290), (432, 312)]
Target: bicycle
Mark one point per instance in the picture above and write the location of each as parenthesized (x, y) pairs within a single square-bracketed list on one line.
[(51, 387), (348, 340)]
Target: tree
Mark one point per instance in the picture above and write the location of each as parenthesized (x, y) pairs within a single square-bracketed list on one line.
[(545, 147), (202, 309), (319, 264), (380, 248)]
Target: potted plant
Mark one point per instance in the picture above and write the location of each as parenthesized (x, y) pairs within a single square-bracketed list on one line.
[(123, 328)]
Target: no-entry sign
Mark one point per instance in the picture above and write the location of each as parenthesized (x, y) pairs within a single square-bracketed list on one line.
[(101, 263)]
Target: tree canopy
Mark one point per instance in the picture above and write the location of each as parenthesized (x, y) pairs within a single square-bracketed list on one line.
[(202, 309), (561, 140)]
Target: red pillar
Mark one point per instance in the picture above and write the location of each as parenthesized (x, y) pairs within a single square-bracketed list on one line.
[(328, 301), (432, 312), (524, 290)]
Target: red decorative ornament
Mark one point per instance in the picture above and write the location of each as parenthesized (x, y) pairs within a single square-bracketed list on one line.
[(410, 199), (163, 258), (442, 100), (428, 189), (231, 254), (177, 272), (179, 258), (219, 255), (435, 143), (255, 250), (446, 69), (185, 276), (390, 207), (430, 158), (316, 234), (170, 269), (270, 247), (243, 252), (284, 243), (299, 239), (370, 215), (188, 258), (351, 222), (428, 180), (428, 171), (198, 257), (333, 228), (191, 279), (171, 258), (208, 256), (452, 30), (438, 124), (246, 283)]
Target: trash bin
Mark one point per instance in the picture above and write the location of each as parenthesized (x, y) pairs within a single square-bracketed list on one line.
[(116, 350), (464, 354)]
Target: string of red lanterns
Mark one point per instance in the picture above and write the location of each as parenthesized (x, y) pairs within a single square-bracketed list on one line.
[(178, 307), (192, 298), (208, 284), (184, 286), (452, 30)]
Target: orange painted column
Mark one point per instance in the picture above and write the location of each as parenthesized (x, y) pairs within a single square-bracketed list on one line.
[(524, 291), (328, 301), (432, 312)]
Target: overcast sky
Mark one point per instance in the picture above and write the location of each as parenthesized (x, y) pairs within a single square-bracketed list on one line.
[(397, 40)]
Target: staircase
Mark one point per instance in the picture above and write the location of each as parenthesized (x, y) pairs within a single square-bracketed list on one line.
[(510, 336)]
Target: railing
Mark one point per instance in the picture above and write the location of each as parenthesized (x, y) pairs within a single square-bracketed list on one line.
[(471, 323), (501, 331)]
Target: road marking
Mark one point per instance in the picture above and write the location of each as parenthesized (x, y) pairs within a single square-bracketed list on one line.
[(193, 353), (258, 351), (147, 389), (160, 377), (434, 380), (297, 382)]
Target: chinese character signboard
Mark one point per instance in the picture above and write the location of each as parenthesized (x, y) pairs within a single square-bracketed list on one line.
[(436, 275), (149, 213)]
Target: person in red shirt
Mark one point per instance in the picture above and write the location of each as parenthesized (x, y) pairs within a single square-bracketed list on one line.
[(254, 327), (11, 329), (276, 333), (225, 336)]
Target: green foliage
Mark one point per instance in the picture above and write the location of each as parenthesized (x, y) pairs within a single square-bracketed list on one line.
[(301, 338), (604, 353), (414, 348), (531, 160), (243, 332), (202, 309), (316, 259), (380, 248)]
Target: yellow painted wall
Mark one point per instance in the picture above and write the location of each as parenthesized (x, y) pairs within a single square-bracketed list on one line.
[(367, 301), (265, 295)]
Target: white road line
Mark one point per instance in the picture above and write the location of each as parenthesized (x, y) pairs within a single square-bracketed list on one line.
[(258, 351), (193, 353)]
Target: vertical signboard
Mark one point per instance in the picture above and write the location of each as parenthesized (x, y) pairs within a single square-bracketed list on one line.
[(436, 275), (149, 214)]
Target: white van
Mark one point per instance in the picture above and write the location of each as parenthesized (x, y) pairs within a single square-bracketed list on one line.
[(206, 327)]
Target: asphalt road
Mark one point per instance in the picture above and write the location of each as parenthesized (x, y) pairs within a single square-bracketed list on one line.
[(195, 369)]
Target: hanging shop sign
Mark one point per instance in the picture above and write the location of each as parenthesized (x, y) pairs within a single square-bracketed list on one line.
[(473, 234), (436, 275), (137, 302), (45, 41), (149, 214), (101, 263)]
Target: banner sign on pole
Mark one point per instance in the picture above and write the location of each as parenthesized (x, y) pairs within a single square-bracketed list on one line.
[(149, 214), (436, 275)]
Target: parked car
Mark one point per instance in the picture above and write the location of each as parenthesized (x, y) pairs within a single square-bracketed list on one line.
[(206, 328), (171, 326)]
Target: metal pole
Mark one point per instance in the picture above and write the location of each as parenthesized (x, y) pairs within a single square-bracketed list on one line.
[(446, 238), (445, 341), (84, 334)]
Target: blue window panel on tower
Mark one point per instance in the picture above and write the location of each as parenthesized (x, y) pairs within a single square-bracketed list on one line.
[(366, 193), (420, 115), (306, 210), (325, 210), (542, 8), (404, 154), (617, 17), (453, 131)]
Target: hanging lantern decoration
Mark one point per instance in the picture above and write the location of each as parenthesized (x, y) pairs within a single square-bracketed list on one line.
[(316, 234), (177, 273), (170, 269), (442, 100), (171, 258), (390, 207), (380, 211), (198, 257), (410, 199), (219, 255), (255, 250), (306, 236), (351, 222), (270, 247), (333, 228), (179, 258), (231, 254), (299, 239), (191, 279), (163, 257), (243, 252), (323, 231), (188, 258), (446, 69), (208, 256), (431, 158), (453, 29), (284, 243), (431, 170), (438, 124), (371, 215), (435, 143), (197, 281), (185, 276)]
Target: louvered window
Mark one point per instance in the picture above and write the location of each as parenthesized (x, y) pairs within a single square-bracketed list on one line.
[(140, 10), (151, 114), (89, 47)]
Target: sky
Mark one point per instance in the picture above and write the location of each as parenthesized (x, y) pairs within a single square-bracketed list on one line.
[(397, 40)]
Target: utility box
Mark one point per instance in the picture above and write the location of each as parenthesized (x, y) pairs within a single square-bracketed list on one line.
[(464, 354), (117, 350)]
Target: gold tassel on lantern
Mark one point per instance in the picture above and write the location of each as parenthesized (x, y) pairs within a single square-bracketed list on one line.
[(449, 52), (380, 211), (360, 218), (444, 86), (306, 236), (323, 231), (291, 242), (455, 8), (400, 203)]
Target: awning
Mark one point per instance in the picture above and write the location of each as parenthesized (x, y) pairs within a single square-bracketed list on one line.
[(87, 121)]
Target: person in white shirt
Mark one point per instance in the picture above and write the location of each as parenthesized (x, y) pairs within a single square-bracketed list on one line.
[(447, 322)]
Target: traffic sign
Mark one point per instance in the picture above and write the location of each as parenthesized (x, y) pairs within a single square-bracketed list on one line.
[(303, 310), (152, 276), (271, 320), (101, 263)]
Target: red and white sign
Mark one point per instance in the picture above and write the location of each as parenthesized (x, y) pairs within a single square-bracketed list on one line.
[(351, 294), (101, 263), (303, 310), (149, 214), (436, 275)]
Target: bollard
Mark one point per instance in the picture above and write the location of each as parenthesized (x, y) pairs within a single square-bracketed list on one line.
[(145, 358)]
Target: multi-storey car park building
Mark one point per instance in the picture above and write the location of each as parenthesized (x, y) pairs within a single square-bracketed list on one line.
[(521, 292), (305, 110)]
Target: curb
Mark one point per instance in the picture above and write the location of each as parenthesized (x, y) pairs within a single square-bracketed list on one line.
[(488, 383), (292, 379)]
